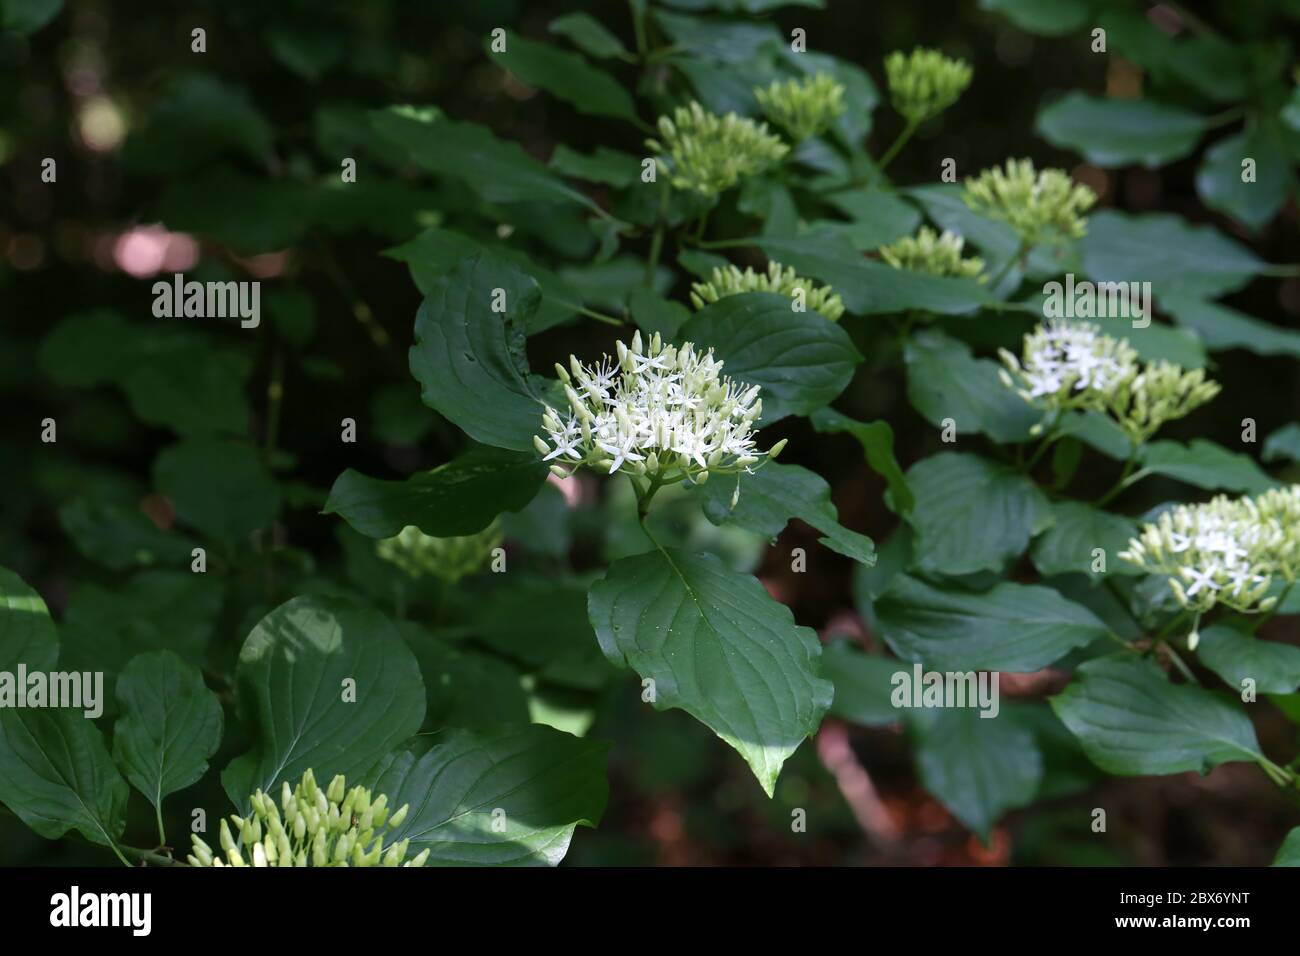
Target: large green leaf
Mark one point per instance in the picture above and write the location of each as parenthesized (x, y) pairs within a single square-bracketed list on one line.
[(944, 380), (1283, 444), (1013, 627), (453, 500), (774, 494), (509, 796), (1131, 720), (1288, 854), (717, 646), (435, 252), (1161, 248), (589, 35), (1204, 464), (1234, 656), (863, 684), (1117, 132), (565, 75), (1221, 327), (469, 359), (877, 441), (801, 360), (221, 488), (1077, 530), (498, 170), (56, 775), (978, 768), (292, 690), (971, 514), (1220, 183), (868, 286), (118, 536), (465, 687), (1044, 17), (27, 634), (170, 725)]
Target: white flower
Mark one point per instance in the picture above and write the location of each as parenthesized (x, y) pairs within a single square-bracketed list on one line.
[(655, 409)]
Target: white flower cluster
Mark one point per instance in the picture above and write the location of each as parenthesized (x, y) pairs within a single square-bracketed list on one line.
[(1226, 551), (1073, 363), (654, 410)]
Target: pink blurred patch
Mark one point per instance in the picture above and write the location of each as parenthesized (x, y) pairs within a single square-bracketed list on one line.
[(569, 487), (144, 251)]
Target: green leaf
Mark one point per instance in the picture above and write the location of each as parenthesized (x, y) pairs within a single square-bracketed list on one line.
[(1221, 328), (608, 166), (977, 768), (774, 494), (1236, 657), (1050, 18), (559, 645), (498, 170), (221, 488), (945, 381), (879, 217), (170, 725), (801, 359), (435, 252), (1097, 432), (27, 634), (295, 672), (868, 286), (469, 359), (1288, 853), (717, 646), (25, 17), (863, 683), (465, 687), (56, 775), (566, 76), (199, 118), (877, 441), (453, 500), (1077, 530), (1013, 627), (1166, 251), (1118, 132), (119, 537), (971, 514), (540, 784), (653, 313), (1205, 465), (1131, 720), (1219, 181), (1283, 444), (589, 35), (743, 6)]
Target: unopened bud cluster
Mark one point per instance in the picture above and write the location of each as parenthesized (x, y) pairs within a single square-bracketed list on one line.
[(805, 107), (1068, 366), (654, 410), (311, 827), (448, 559), (1226, 551), (705, 153), (1041, 206), (781, 280), (924, 83), (934, 254)]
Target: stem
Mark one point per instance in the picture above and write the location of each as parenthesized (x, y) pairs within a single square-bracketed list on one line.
[(1180, 663), (1037, 456), (657, 240), (897, 145), (162, 831), (274, 399), (1126, 478), (638, 26), (598, 316), (149, 856)]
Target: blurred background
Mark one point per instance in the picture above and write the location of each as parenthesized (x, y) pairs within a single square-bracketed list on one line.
[(223, 164)]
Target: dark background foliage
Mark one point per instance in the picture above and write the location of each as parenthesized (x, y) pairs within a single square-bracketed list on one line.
[(292, 78)]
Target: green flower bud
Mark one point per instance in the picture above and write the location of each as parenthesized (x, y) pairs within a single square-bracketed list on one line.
[(803, 107), (781, 280), (709, 154), (924, 83), (934, 254), (1044, 206)]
